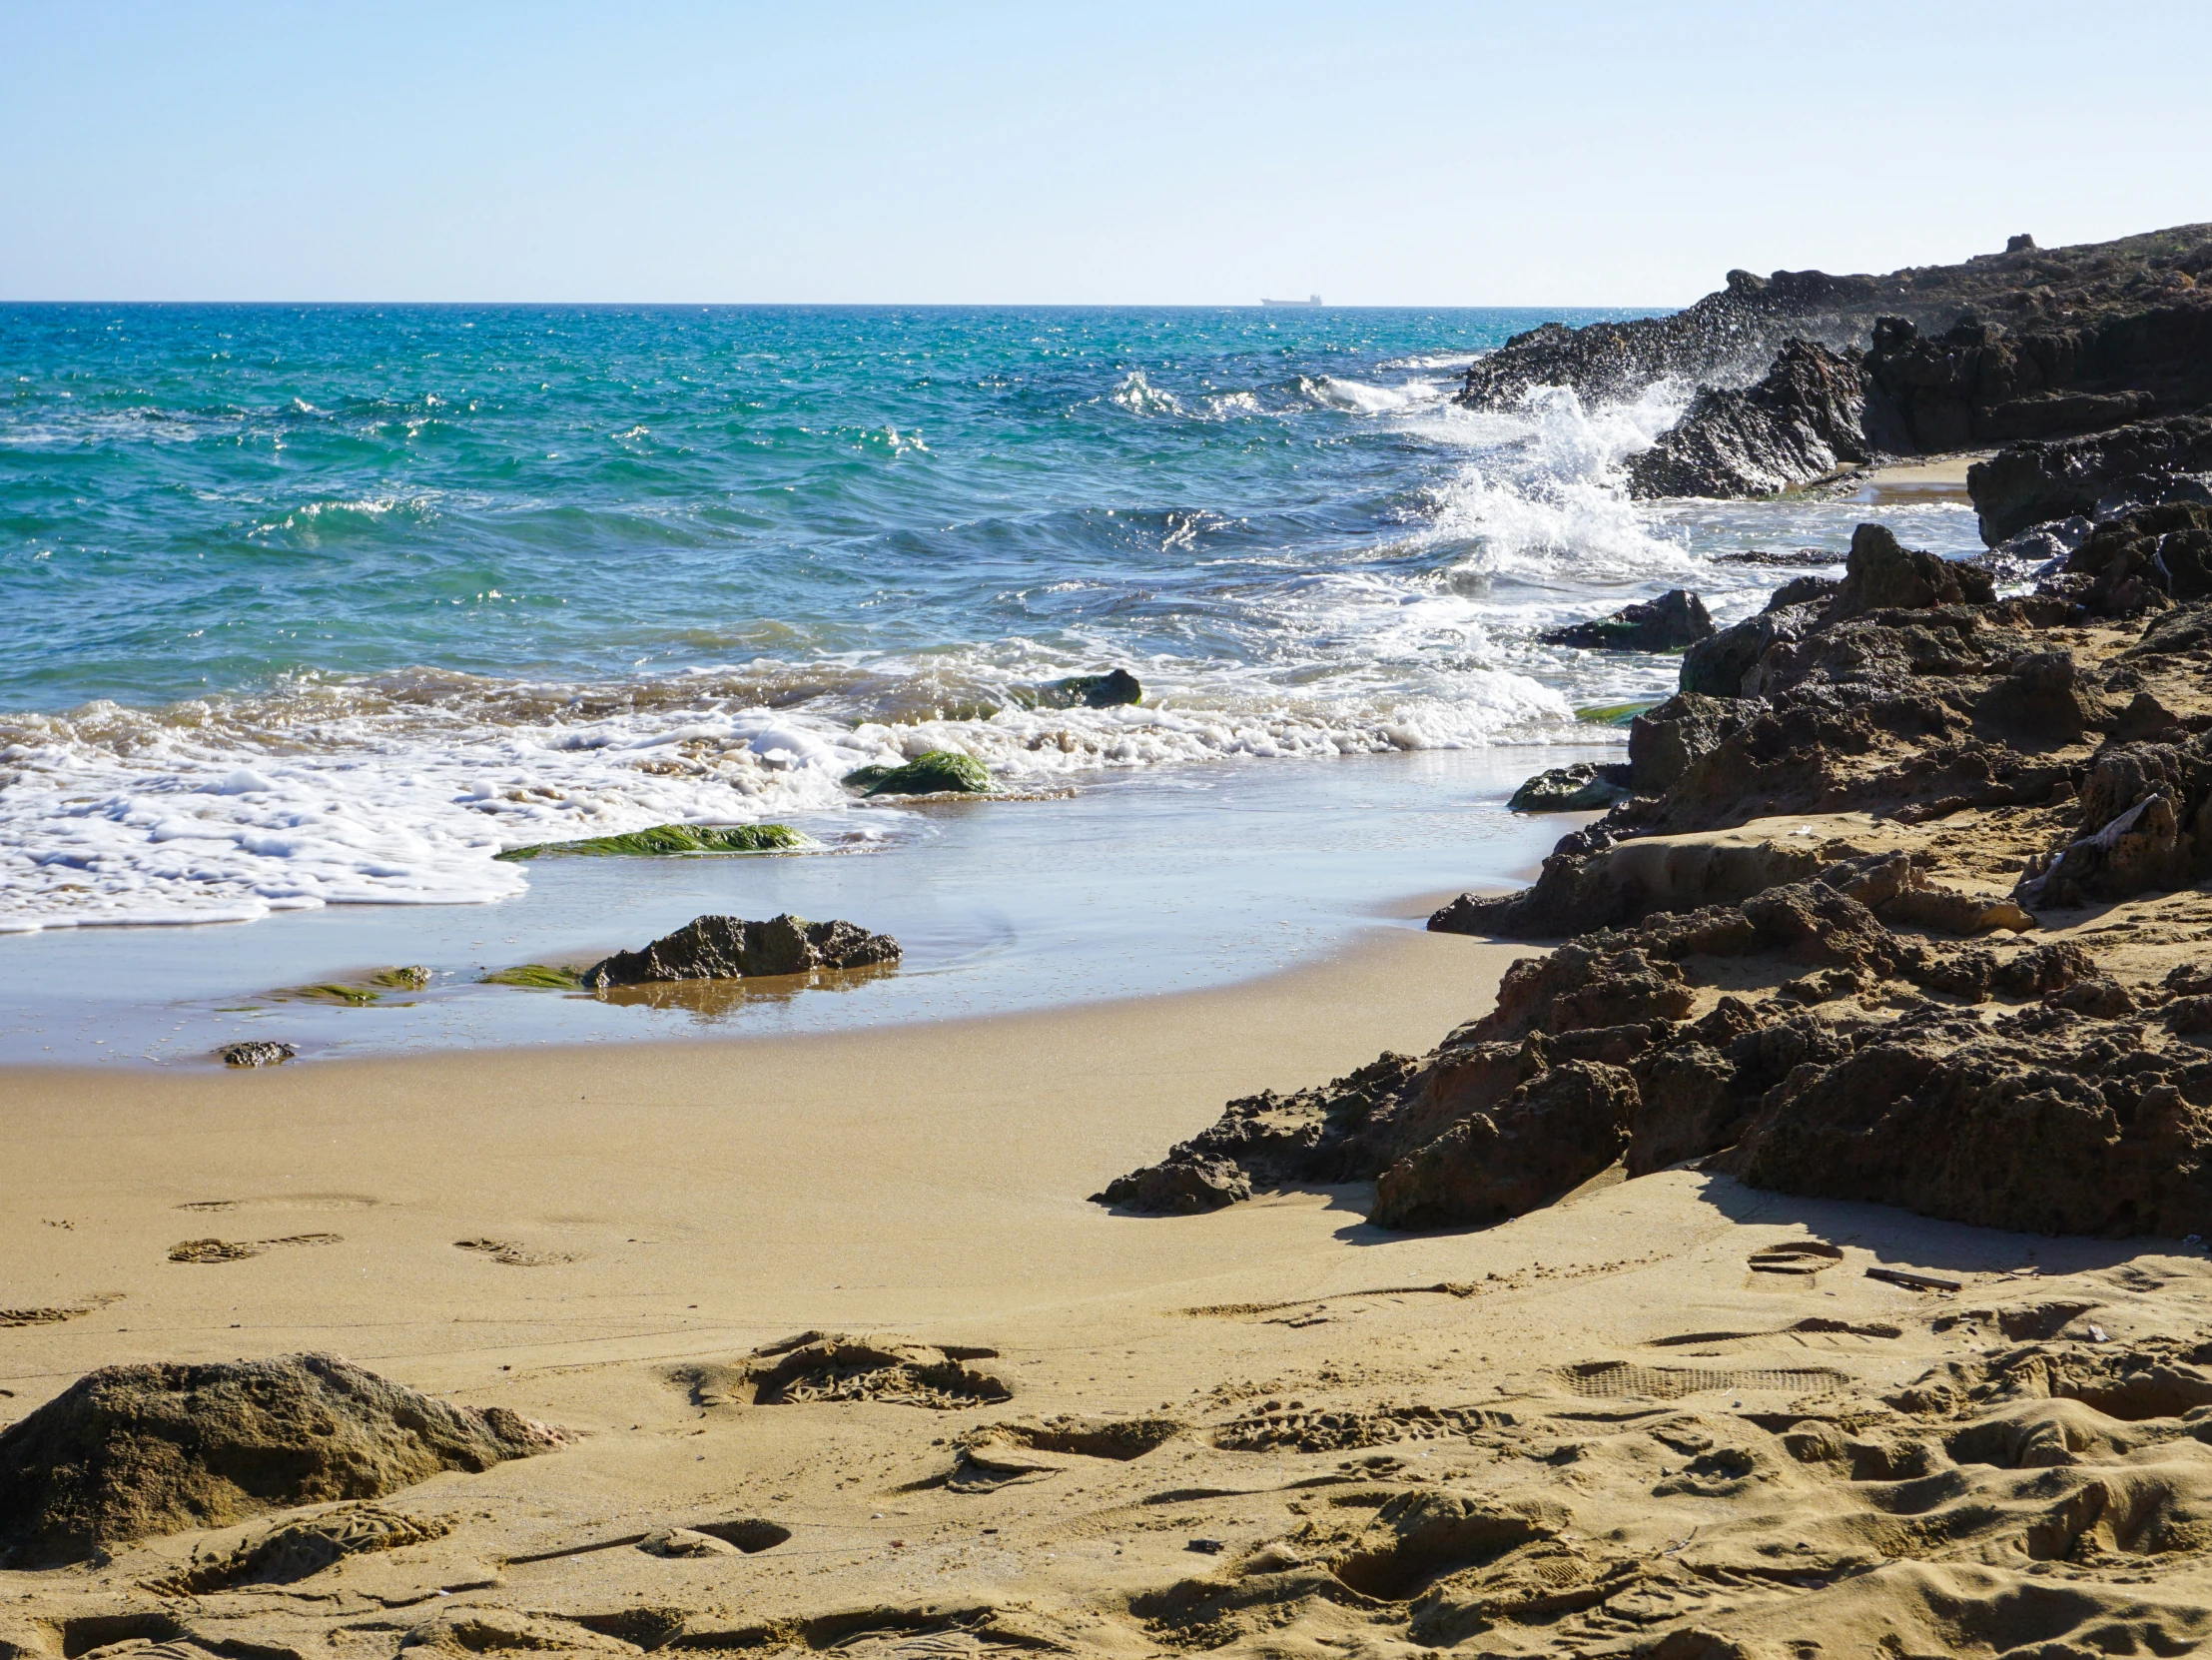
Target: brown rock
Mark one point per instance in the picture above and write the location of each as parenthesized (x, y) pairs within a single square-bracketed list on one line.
[(1552, 1134), (127, 1452)]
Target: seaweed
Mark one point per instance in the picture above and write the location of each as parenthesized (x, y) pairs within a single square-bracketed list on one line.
[(537, 977), (664, 839)]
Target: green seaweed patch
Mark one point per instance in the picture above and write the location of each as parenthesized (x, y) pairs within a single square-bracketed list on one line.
[(941, 771), (333, 991), (664, 839), (538, 976), (1614, 715), (411, 978)]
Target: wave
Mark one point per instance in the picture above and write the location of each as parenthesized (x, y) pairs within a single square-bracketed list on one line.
[(402, 789)]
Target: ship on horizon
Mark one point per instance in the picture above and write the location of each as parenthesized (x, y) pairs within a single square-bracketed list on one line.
[(1310, 300)]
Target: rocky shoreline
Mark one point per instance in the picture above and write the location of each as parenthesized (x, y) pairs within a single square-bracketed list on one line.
[(1900, 897)]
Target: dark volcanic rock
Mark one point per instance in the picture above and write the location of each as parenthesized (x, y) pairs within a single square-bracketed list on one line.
[(729, 948), (1977, 383), (129, 1453), (2142, 561), (1673, 622), (2026, 485), (1583, 787), (1731, 336), (1086, 691), (1804, 420), (1879, 575), (1663, 740)]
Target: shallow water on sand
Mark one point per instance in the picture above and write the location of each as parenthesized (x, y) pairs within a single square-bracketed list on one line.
[(1136, 886)]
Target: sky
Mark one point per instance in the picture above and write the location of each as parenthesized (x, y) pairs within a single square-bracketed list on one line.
[(1473, 153)]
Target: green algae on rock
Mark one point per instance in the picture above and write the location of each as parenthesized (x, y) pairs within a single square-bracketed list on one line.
[(663, 839), (411, 978), (333, 990), (536, 977), (937, 772)]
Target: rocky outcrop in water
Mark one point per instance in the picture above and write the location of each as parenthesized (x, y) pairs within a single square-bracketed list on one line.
[(2139, 464), (1806, 420), (127, 1452), (730, 948), (1773, 942), (1675, 621)]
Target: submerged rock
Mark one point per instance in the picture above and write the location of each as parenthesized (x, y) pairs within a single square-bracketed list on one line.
[(940, 771), (730, 948), (258, 1052), (129, 1453), (1111, 690), (1675, 621)]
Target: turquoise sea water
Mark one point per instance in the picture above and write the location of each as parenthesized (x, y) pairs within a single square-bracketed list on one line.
[(314, 605)]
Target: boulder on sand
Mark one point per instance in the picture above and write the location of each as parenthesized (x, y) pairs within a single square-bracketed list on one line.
[(1674, 621), (129, 1453), (730, 948), (1584, 787)]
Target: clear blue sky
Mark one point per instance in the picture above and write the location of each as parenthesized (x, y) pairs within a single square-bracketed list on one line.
[(1472, 154)]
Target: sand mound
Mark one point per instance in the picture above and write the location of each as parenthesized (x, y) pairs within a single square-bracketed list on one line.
[(127, 1452), (833, 1366)]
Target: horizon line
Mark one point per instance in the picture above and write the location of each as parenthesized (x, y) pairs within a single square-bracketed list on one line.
[(908, 304)]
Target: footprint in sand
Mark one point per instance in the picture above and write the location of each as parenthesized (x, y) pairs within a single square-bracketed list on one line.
[(513, 1256), (1802, 1257), (234, 1251), (55, 1316), (286, 1202)]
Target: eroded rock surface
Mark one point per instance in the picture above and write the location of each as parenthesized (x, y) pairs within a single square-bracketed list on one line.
[(131, 1451), (730, 948)]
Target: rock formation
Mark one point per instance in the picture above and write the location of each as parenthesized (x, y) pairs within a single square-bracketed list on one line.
[(1803, 374), (1775, 942), (127, 1452), (729, 948), (2137, 465), (1731, 336)]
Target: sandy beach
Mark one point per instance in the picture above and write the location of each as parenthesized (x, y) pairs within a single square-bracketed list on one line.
[(597, 1240), (678, 1200)]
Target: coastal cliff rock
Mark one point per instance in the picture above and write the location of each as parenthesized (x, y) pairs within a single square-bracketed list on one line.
[(1731, 336), (1804, 420), (1673, 622), (2140, 463), (127, 1452), (730, 948)]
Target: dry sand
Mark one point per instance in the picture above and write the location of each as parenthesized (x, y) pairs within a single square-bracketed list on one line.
[(1346, 1420)]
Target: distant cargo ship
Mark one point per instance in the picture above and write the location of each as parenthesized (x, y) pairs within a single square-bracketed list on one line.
[(1310, 300)]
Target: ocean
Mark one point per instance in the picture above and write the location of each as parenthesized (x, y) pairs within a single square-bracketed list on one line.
[(311, 605), (310, 613)]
